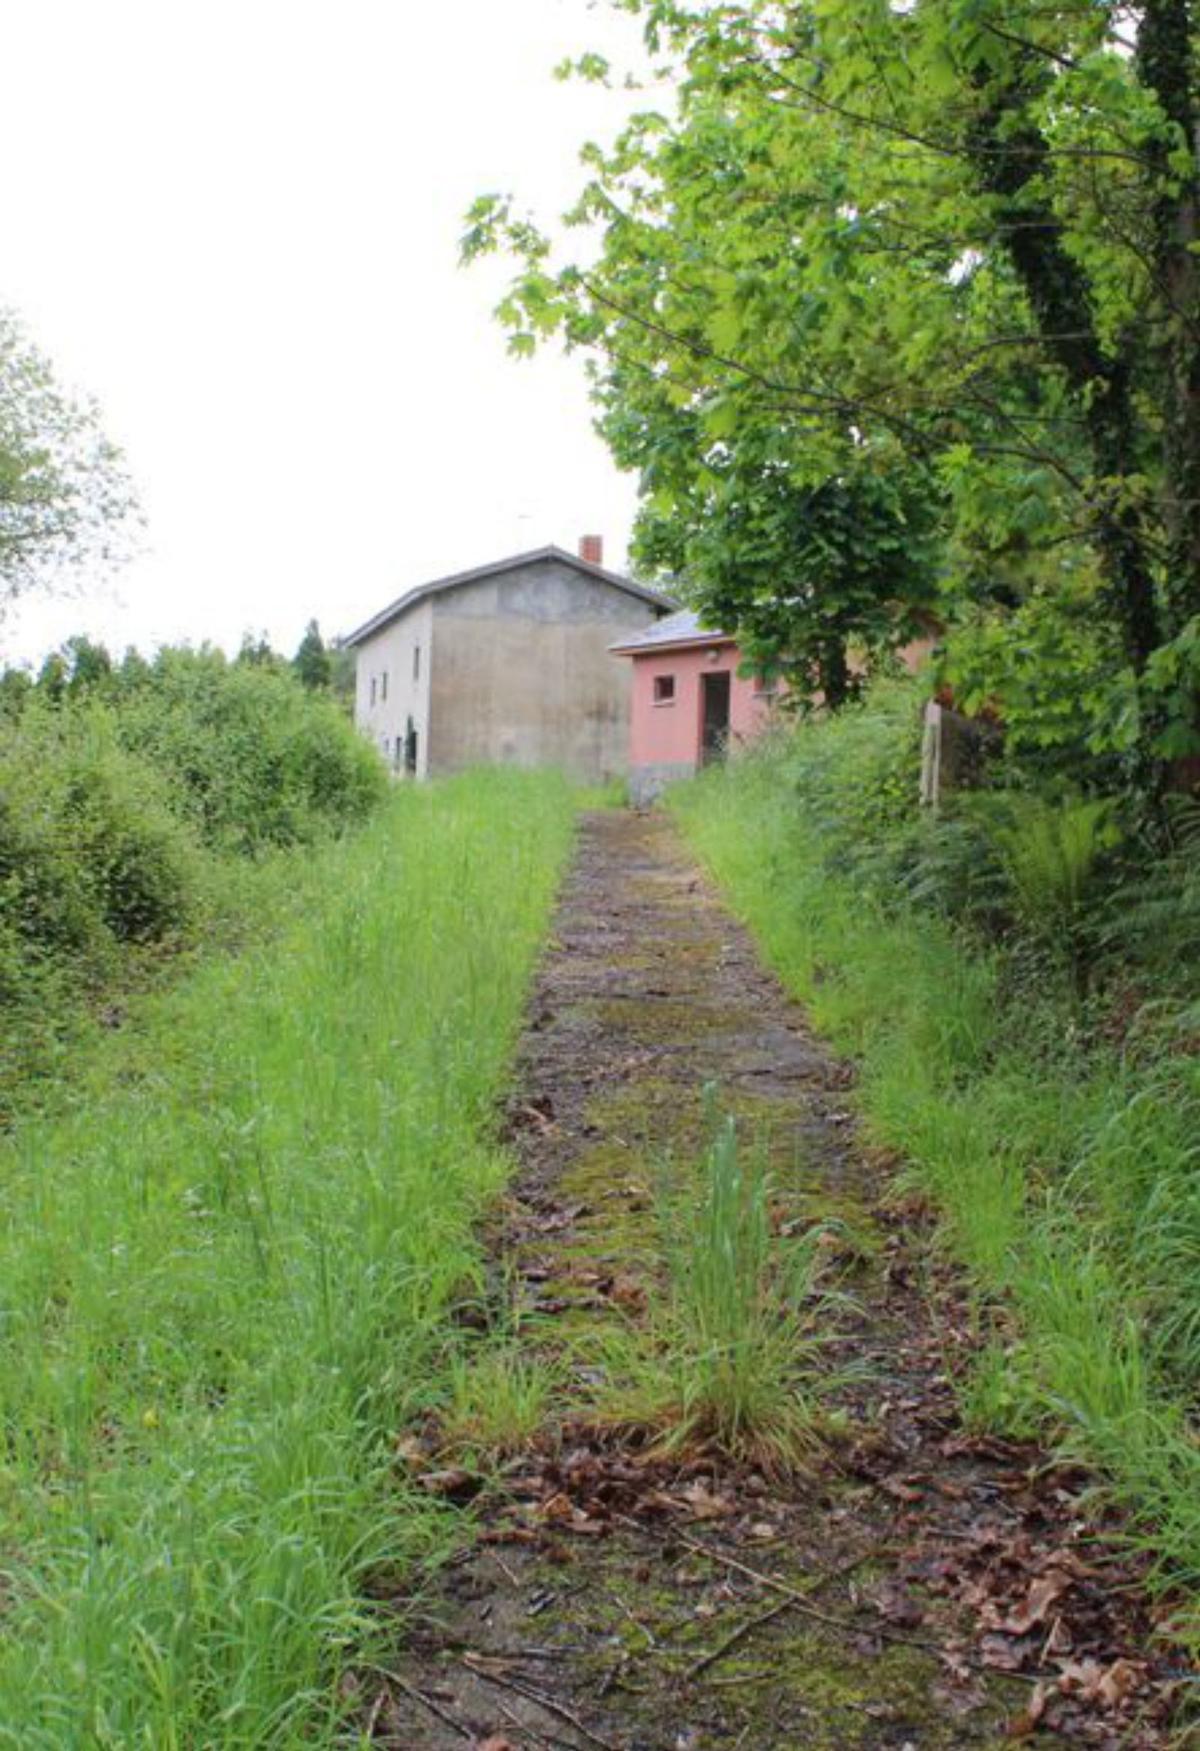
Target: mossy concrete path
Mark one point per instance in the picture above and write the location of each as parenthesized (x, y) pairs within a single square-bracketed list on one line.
[(921, 1586)]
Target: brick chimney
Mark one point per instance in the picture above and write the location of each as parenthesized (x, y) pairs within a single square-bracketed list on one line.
[(591, 549)]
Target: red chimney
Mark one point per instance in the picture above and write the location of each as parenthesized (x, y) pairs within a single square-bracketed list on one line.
[(591, 549)]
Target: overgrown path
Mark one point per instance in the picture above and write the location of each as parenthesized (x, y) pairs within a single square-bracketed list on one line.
[(922, 1587)]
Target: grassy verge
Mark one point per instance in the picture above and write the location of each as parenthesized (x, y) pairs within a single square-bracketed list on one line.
[(224, 1282), (1065, 1170)]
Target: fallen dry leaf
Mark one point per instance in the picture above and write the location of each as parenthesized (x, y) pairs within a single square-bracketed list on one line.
[(1043, 1593), (703, 1505), (1026, 1723), (1119, 1681), (455, 1484)]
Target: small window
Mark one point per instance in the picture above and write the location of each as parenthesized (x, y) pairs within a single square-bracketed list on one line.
[(372, 689), (664, 690), (416, 662), (383, 685)]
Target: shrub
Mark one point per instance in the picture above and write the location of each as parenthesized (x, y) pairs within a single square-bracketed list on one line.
[(123, 809), (253, 758)]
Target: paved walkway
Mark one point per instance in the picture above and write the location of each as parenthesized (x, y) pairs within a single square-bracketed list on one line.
[(612, 1597)]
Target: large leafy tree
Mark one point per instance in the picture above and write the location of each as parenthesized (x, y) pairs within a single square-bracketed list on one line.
[(65, 499), (954, 241)]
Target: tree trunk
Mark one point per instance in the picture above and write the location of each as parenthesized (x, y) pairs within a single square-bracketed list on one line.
[(1164, 65), (1008, 163), (835, 674)]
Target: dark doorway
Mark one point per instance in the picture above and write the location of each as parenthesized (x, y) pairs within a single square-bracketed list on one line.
[(714, 694), (410, 749)]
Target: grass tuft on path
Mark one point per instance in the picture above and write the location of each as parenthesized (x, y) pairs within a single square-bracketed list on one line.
[(224, 1285)]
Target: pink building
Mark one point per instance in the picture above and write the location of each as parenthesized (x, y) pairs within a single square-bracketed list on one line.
[(690, 705)]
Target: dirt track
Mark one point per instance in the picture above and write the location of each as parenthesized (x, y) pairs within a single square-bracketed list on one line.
[(915, 1589)]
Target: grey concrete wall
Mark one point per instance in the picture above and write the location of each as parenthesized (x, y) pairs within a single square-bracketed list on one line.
[(522, 674), (647, 783)]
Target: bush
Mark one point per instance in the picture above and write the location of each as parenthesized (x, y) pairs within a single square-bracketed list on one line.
[(124, 808), (90, 850), (253, 758)]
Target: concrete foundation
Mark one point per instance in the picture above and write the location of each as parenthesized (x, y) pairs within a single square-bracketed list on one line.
[(647, 783)]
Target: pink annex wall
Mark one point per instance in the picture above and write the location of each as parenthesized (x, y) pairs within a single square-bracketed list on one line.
[(669, 733)]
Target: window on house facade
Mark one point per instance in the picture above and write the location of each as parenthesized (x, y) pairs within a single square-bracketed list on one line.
[(664, 690), (372, 689), (416, 662), (383, 685)]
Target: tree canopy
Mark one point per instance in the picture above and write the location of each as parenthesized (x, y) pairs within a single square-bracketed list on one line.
[(939, 256), (65, 498)]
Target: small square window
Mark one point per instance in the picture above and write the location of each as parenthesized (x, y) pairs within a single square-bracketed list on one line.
[(664, 690)]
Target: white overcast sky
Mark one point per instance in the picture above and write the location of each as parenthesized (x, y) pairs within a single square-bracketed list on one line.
[(236, 223)]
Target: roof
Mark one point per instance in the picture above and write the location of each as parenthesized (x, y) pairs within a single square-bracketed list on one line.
[(478, 573), (685, 627)]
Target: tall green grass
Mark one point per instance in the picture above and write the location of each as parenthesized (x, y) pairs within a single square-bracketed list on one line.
[(744, 1320), (224, 1283), (1065, 1170)]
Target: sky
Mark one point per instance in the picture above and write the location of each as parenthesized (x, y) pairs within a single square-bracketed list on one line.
[(236, 224)]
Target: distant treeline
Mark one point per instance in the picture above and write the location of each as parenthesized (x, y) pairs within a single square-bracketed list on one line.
[(131, 791)]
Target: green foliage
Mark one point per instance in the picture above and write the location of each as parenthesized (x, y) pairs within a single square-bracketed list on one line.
[(94, 864), (1051, 856), (499, 1398), (744, 1323), (64, 495), (311, 664), (226, 1280), (125, 793), (1057, 1139), (811, 574), (942, 255), (255, 759)]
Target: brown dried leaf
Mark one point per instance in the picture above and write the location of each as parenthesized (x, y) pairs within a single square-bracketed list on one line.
[(1043, 1593), (1002, 1653), (454, 1483), (1024, 1725), (1121, 1679), (703, 1505)]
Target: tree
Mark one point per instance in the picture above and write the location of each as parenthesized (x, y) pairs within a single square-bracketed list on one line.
[(65, 499), (311, 663), (255, 652), (955, 241)]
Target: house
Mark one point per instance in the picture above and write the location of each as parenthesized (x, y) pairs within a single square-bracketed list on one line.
[(507, 663), (689, 702)]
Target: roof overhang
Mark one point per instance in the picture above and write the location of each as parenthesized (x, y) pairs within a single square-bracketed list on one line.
[(693, 641)]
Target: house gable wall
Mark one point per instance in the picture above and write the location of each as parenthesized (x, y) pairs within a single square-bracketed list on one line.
[(523, 676)]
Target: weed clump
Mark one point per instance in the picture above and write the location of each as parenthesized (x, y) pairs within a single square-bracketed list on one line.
[(727, 1354)]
